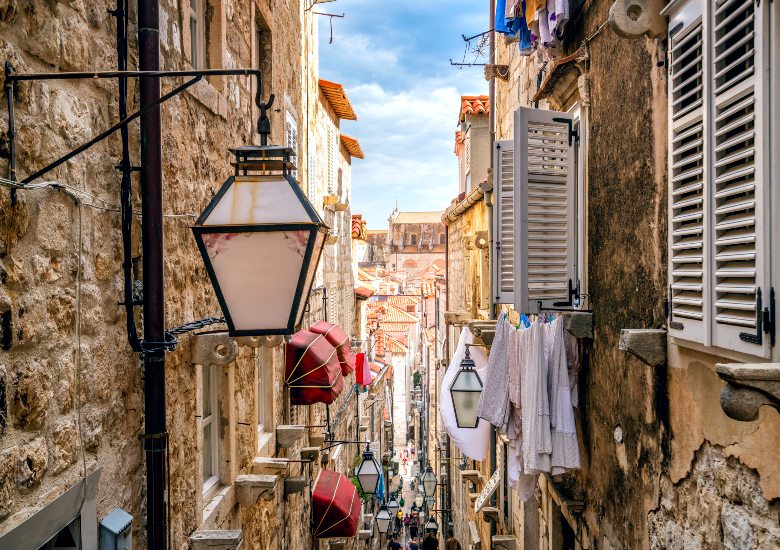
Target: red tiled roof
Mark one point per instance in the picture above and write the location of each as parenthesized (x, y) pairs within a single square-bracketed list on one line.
[(403, 300), (358, 227), (460, 138), (395, 314), (337, 97), (473, 105), (352, 146), (365, 276), (363, 292), (427, 289)]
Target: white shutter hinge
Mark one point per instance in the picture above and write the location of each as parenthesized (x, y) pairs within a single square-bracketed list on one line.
[(765, 321)]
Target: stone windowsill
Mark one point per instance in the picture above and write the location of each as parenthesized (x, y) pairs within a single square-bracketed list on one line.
[(265, 444), (208, 96), (219, 507)]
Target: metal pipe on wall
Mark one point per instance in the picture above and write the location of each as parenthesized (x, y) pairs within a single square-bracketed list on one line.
[(492, 123), (153, 285)]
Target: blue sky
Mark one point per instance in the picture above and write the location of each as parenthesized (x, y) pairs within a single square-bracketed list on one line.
[(393, 59)]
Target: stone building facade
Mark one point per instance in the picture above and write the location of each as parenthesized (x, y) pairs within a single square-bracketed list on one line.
[(71, 390), (415, 240), (663, 465)]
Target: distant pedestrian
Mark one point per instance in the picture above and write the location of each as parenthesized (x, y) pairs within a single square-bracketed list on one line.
[(430, 542), (452, 543), (394, 544), (413, 544)]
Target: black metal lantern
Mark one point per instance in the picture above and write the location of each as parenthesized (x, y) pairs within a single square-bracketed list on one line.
[(383, 520), (466, 390), (431, 526), (429, 481), (368, 473), (393, 506), (261, 241)]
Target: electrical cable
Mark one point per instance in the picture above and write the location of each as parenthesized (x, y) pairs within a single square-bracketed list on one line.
[(78, 356)]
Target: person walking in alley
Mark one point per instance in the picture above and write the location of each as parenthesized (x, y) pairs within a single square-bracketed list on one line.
[(430, 542), (413, 545), (452, 543), (393, 543)]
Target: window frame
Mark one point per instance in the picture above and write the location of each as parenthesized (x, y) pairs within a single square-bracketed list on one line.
[(196, 18), (264, 396), (209, 372)]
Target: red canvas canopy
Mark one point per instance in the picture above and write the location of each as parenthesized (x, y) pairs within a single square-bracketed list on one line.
[(338, 338), (312, 371), (336, 506)]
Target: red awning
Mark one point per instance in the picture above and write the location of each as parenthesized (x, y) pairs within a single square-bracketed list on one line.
[(339, 340), (336, 506), (312, 371)]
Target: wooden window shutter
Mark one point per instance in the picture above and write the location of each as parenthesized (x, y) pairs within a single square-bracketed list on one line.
[(740, 192), (545, 209), (504, 222), (688, 226), (331, 159)]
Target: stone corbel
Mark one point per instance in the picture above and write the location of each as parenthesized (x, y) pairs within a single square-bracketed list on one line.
[(273, 466), (456, 318), (509, 542), (295, 484), (219, 539), (340, 544), (250, 487), (748, 388), (635, 18), (481, 240), (496, 71), (648, 345), (260, 341), (364, 534), (579, 323), (288, 435), (470, 475), (484, 330), (213, 348), (316, 439), (310, 454), (490, 513)]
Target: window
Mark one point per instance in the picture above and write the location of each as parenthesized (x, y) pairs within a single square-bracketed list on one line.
[(331, 158), (264, 376), (536, 212), (209, 415), (414, 238), (441, 238), (719, 262), (198, 34), (291, 138)]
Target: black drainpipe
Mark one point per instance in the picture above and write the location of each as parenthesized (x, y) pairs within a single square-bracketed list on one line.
[(155, 438)]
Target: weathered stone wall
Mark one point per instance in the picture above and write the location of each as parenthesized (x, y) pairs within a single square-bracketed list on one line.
[(39, 255), (656, 444)]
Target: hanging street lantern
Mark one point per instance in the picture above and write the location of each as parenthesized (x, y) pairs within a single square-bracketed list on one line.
[(393, 506), (431, 526), (419, 500), (261, 240), (429, 481), (465, 390), (383, 520), (368, 473), (429, 502)]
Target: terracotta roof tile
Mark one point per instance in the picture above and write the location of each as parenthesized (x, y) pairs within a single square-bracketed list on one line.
[(460, 138), (403, 300), (473, 105), (363, 292), (427, 289), (337, 97), (352, 146), (358, 227), (394, 314)]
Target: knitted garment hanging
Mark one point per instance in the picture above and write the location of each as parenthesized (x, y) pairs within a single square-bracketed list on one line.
[(494, 401)]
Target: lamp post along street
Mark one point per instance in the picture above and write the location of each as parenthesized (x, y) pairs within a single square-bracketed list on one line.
[(368, 473), (466, 390)]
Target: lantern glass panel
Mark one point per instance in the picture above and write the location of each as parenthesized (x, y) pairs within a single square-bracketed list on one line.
[(466, 390), (393, 506), (368, 475), (253, 200), (429, 483), (383, 521), (419, 500), (243, 261)]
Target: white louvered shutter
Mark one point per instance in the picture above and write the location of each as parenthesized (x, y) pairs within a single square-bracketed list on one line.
[(331, 159), (545, 209), (688, 276), (740, 158), (504, 222)]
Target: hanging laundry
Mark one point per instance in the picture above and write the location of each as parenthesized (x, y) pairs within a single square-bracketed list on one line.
[(557, 16), (565, 453), (472, 442), (494, 401)]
